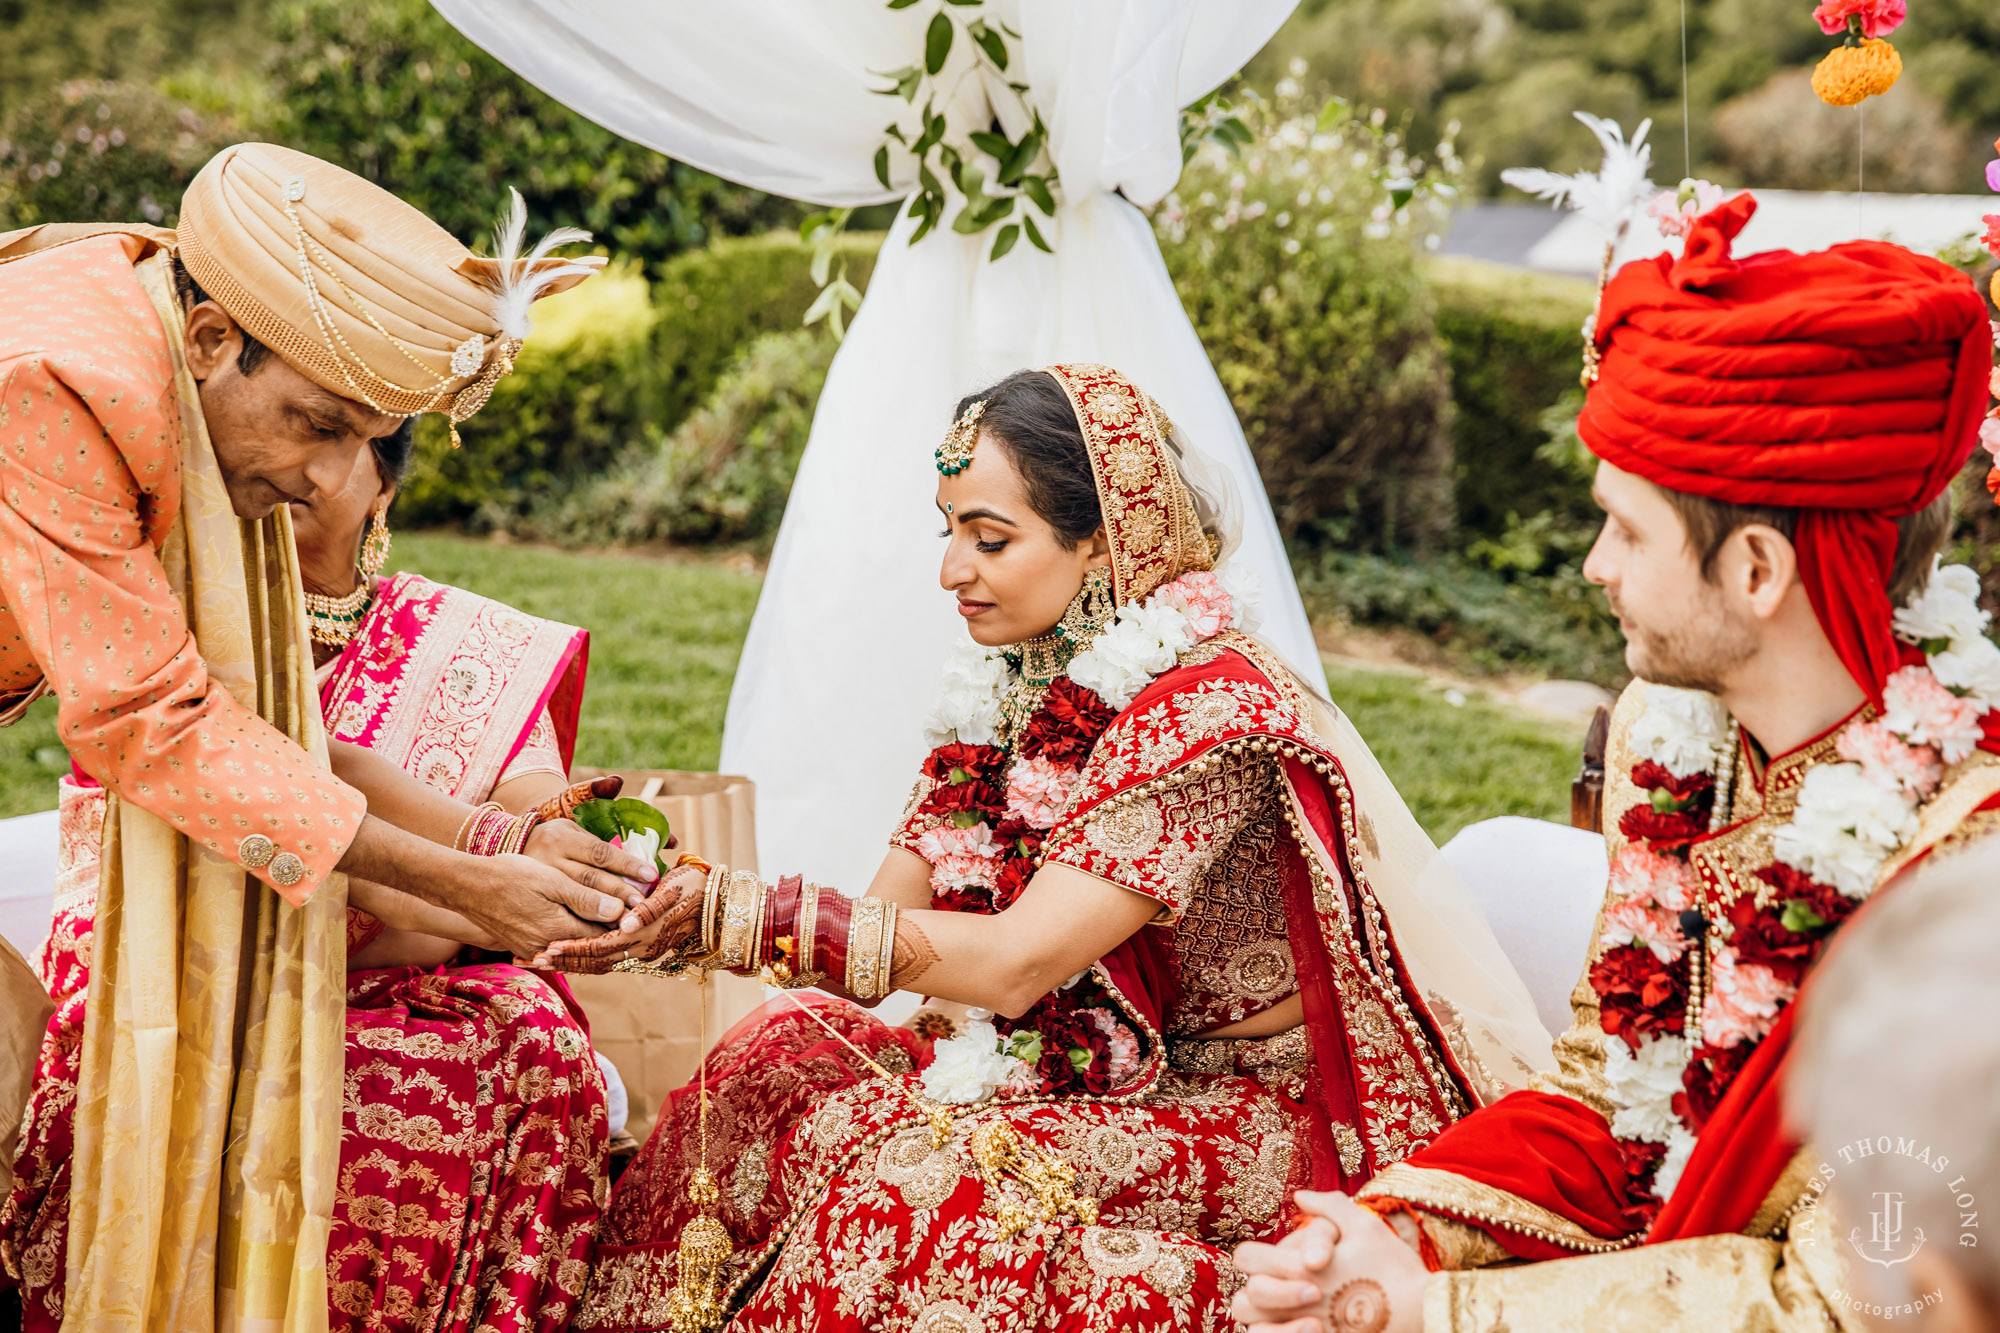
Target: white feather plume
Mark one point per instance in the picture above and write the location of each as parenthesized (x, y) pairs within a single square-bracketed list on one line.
[(522, 278), (1609, 196)]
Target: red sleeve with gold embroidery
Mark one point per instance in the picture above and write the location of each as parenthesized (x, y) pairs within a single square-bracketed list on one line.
[(92, 611)]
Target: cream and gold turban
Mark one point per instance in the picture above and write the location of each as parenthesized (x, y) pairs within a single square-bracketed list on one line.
[(361, 292)]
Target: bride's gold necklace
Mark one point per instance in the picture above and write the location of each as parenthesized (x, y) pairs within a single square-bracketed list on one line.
[(1039, 661)]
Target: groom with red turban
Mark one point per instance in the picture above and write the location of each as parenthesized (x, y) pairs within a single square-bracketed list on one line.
[(1813, 714)]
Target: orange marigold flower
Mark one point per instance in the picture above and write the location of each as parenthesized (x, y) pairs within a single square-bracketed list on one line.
[(1851, 73)]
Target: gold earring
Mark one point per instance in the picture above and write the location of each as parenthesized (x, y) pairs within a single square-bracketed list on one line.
[(375, 546), (1090, 610)]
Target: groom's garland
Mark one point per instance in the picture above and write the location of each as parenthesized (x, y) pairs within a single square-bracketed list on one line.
[(998, 796), (1679, 1042)]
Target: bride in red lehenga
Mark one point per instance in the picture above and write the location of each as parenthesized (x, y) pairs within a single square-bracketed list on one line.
[(1199, 954)]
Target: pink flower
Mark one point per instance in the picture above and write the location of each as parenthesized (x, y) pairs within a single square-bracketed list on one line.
[(1628, 922), (1647, 879), (1039, 790), (1918, 708), (1201, 597), (960, 857), (1673, 215), (1743, 1001), (1889, 760), (1993, 174), (1878, 18), (1124, 1046), (1989, 437)]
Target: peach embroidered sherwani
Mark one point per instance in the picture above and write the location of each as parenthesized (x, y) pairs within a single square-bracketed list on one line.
[(90, 484)]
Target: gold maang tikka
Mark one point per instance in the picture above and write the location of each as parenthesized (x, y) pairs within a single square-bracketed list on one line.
[(955, 454)]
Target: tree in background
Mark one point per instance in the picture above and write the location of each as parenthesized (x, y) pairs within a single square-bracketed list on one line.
[(386, 88), (1512, 71)]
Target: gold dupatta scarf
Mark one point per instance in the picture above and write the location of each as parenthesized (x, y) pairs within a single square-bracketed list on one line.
[(208, 1111)]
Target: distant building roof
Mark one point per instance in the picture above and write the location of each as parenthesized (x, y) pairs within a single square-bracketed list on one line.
[(1535, 236)]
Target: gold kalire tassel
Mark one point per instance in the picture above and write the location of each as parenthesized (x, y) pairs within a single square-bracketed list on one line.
[(695, 1304)]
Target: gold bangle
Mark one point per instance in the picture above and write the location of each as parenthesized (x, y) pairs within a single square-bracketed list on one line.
[(741, 912), (711, 899), (888, 959), (808, 921), (866, 979)]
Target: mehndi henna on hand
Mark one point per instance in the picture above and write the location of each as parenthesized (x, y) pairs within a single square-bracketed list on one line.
[(1359, 1306), (913, 953), (600, 953)]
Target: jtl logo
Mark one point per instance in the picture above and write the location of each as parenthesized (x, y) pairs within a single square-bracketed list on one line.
[(1886, 1233)]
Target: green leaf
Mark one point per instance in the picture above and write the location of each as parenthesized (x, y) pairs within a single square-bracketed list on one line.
[(1004, 241), (928, 182), (910, 83), (895, 132), (1399, 195), (882, 165), (965, 3), (1017, 162), (921, 208), (1079, 1058), (636, 816), (992, 44), (902, 82), (966, 818), (1799, 917), (937, 43), (901, 4), (988, 142), (596, 819), (1037, 189), (1035, 234), (1025, 1045), (1336, 111)]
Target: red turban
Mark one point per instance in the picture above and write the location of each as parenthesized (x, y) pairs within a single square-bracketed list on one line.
[(1848, 384)]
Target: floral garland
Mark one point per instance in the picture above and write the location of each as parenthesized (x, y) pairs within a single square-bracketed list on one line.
[(1673, 1060), (998, 802)]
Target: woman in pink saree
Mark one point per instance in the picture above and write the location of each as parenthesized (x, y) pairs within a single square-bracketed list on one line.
[(473, 1123)]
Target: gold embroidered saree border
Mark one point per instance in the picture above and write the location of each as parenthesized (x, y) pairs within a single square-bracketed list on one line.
[(1468, 1200)]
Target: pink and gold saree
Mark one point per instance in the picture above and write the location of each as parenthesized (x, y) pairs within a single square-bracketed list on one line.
[(473, 1115)]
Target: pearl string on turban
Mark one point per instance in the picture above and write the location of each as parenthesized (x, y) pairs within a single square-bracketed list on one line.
[(1848, 384)]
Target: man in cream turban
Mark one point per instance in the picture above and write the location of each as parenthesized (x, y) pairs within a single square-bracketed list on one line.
[(163, 396)]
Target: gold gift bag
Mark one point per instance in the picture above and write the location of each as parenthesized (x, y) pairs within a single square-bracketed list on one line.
[(648, 1026)]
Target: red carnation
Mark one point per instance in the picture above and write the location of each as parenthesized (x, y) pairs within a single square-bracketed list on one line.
[(1638, 994), (1066, 726), (985, 762), (1707, 1080), (1641, 1158), (1758, 935), (968, 898), (1655, 776), (1013, 877), (1666, 832), (974, 796), (1824, 901)]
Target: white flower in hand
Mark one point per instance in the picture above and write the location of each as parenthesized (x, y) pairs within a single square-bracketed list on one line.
[(644, 844)]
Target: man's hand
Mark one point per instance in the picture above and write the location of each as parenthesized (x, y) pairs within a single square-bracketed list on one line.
[(525, 904), (665, 920), (594, 864), (1344, 1271)]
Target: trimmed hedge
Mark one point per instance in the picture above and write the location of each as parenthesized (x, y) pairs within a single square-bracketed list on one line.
[(1514, 342), (614, 368)]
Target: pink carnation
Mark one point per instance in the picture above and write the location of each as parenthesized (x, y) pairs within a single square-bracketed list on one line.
[(960, 857), (1202, 598), (1039, 790), (1124, 1046), (1628, 922), (1879, 18), (1889, 760), (1989, 437), (1742, 1002), (1647, 879), (1674, 217), (1916, 706)]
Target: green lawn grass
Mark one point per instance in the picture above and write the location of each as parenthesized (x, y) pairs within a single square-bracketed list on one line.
[(665, 635)]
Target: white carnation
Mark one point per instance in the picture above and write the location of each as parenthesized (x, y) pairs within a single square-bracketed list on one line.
[(1970, 667), (1845, 827), (1683, 730), (968, 704), (1948, 608), (1643, 1086), (1680, 1146), (1144, 641), (970, 1066), (1239, 578)]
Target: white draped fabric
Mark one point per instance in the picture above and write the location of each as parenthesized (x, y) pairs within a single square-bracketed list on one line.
[(843, 653)]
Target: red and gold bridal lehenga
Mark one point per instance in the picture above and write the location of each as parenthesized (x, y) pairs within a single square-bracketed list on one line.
[(473, 1118), (1283, 865)]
